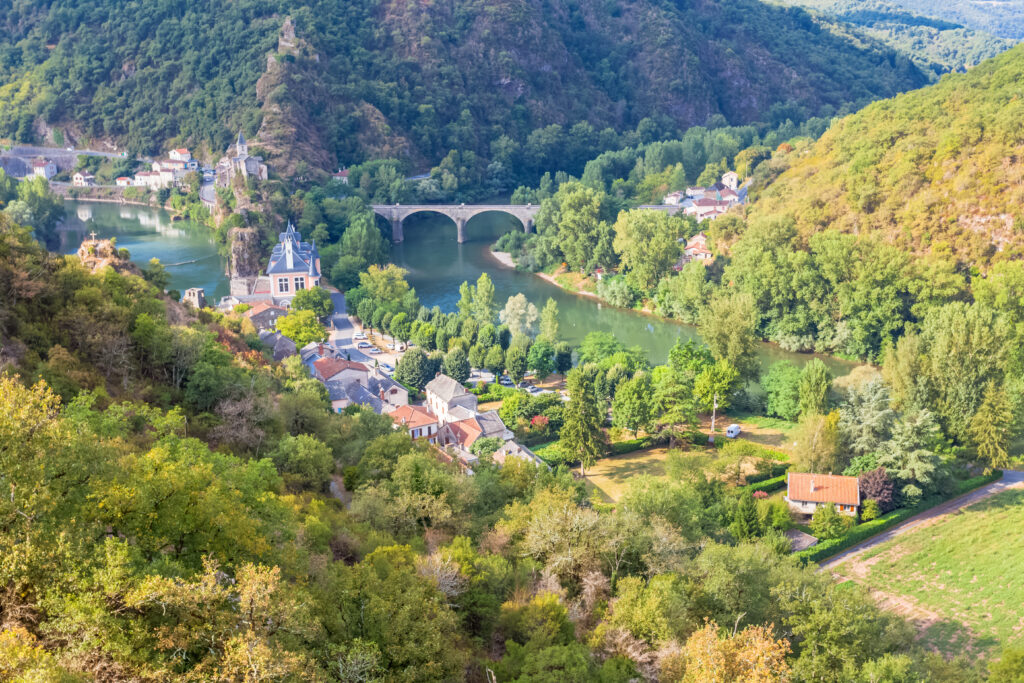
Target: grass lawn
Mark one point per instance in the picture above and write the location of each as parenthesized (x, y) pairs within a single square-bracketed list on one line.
[(958, 579), (610, 476)]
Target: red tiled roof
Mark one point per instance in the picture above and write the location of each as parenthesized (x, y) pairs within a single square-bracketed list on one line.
[(262, 306), (466, 431), (823, 488), (412, 417), (329, 367)]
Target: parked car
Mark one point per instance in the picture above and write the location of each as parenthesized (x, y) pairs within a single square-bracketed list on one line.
[(363, 345), (732, 431), (359, 335), (386, 368), (505, 381), (375, 351), (534, 389)]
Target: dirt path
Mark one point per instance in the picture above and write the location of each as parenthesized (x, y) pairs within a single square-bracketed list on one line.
[(1011, 479)]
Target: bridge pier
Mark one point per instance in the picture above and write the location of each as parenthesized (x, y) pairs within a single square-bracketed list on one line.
[(397, 234), (460, 225), (528, 226)]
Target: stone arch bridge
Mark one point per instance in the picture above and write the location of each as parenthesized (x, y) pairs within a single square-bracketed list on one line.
[(459, 213)]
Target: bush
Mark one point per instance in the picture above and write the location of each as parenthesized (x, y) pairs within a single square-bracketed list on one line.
[(870, 510), (828, 523), (766, 486)]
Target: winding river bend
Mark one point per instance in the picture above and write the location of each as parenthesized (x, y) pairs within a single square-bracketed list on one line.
[(436, 262)]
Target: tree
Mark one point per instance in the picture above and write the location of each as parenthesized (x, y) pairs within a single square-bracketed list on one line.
[(520, 315), (456, 365), (753, 654), (781, 385), (156, 275), (729, 328), (316, 299), (817, 444), (563, 357), (302, 327), (877, 486), (549, 321), (495, 360), (582, 436), (827, 522), (865, 419), (363, 241), (486, 446), (541, 358), (631, 407), (1009, 668), (483, 300), (815, 380), (516, 363), (646, 242), (305, 461), (414, 369), (400, 327), (746, 522), (992, 428), (714, 387)]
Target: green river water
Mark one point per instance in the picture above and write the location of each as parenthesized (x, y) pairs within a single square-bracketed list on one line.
[(436, 262)]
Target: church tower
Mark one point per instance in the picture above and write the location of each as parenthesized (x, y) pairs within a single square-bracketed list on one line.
[(241, 148)]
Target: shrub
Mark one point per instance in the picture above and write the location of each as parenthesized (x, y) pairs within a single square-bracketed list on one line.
[(876, 485), (828, 523), (870, 510)]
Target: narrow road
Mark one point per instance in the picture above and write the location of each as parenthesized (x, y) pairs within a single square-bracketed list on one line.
[(33, 151), (1011, 479)]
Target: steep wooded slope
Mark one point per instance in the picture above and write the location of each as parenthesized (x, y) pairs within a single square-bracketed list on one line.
[(941, 168), (419, 79)]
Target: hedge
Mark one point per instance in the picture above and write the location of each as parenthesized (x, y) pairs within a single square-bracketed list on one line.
[(775, 472), (766, 485), (866, 530)]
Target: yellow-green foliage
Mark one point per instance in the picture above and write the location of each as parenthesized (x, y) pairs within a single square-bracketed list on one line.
[(936, 169)]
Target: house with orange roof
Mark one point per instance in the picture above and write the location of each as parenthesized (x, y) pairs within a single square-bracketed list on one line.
[(418, 421), (340, 369), (807, 491)]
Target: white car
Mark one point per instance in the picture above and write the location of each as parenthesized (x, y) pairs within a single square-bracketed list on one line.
[(359, 335), (386, 368), (732, 431), (375, 351), (363, 345)]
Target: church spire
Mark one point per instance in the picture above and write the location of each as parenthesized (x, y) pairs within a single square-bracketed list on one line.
[(241, 147)]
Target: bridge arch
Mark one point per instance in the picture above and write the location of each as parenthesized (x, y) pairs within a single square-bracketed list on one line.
[(459, 213)]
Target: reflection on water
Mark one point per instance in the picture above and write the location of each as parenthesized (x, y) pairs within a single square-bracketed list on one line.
[(438, 264), (147, 233)]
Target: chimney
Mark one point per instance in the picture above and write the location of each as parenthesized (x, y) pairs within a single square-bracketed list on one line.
[(289, 256), (812, 484)]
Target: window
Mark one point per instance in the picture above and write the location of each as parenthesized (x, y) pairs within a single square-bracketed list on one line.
[(282, 285), (300, 282)]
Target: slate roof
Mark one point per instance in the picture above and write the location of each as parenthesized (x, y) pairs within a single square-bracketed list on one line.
[(823, 488), (304, 256), (490, 423), (445, 387)]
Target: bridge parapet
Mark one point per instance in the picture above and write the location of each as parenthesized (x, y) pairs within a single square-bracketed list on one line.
[(459, 213)]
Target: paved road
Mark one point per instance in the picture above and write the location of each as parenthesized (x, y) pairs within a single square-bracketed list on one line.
[(1011, 479), (207, 192), (341, 330), (32, 151)]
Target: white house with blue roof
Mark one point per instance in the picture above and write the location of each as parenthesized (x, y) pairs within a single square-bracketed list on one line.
[(294, 265)]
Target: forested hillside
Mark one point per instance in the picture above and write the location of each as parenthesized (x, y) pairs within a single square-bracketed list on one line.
[(936, 39), (418, 80), (935, 170)]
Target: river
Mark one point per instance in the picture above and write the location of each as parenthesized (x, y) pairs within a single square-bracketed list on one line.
[(146, 233), (436, 262)]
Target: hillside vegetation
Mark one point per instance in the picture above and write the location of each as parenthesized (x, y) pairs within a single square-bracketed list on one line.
[(925, 34), (418, 80), (936, 170)]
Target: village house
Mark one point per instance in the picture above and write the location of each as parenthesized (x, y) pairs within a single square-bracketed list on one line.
[(731, 179), (339, 369), (696, 249), (294, 265), (83, 179), (341, 176), (806, 492), (418, 421), (196, 296), (264, 315), (154, 180), (123, 181), (280, 346), (445, 396), (43, 168), (241, 164)]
